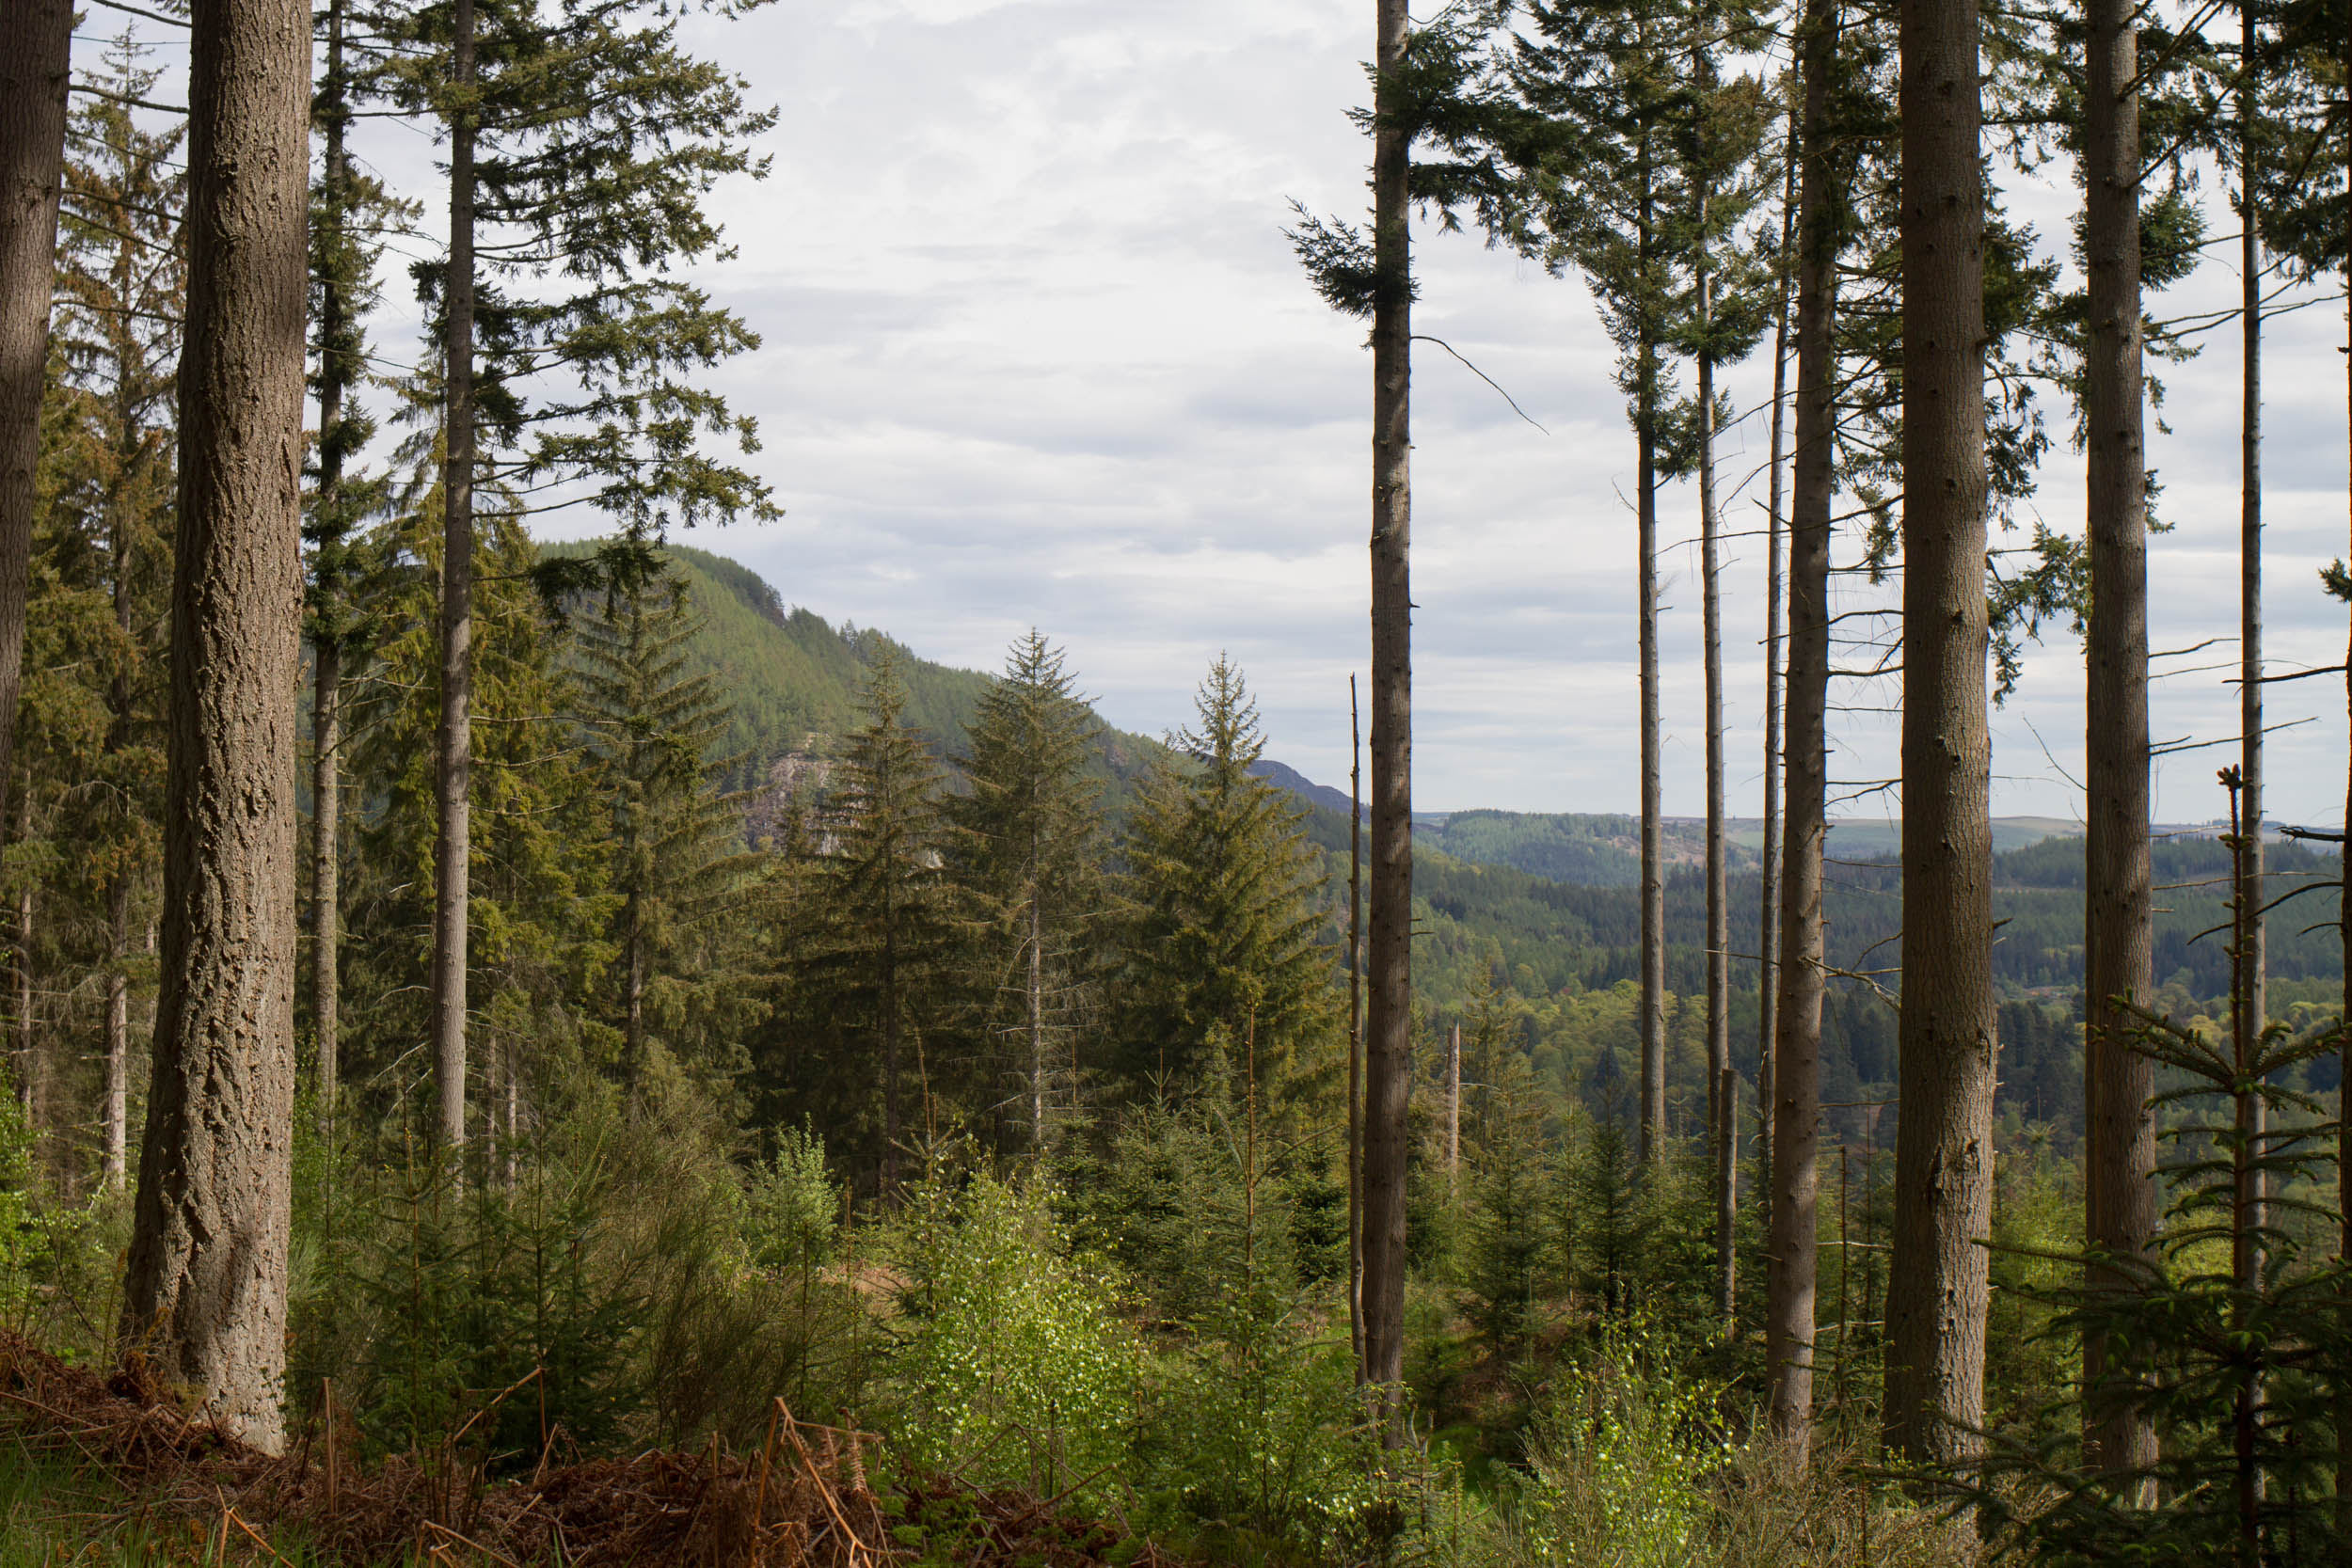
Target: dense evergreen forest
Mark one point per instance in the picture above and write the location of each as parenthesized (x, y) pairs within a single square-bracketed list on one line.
[(544, 1052)]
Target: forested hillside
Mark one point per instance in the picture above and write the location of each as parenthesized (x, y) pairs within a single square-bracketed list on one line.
[(541, 1052)]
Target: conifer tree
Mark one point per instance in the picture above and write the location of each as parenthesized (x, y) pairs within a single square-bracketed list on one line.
[(884, 955), (1029, 846), (584, 143), (122, 284), (349, 212), (1937, 1282), (1221, 950), (678, 860), (36, 61), (206, 1288)]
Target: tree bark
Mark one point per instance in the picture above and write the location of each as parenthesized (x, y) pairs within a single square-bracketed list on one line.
[(206, 1288), (326, 871), (1775, 569), (28, 1084), (453, 774), (327, 644), (1036, 999), (1937, 1286), (114, 1156), (1354, 1030), (35, 51), (1792, 1252), (2255, 955), (2119, 1136), (1388, 1044), (1723, 1096), (1651, 1141)]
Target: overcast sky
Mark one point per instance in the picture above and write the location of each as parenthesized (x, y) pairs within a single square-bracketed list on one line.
[(1036, 353)]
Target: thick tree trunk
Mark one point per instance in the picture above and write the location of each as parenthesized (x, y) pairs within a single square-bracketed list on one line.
[(206, 1290), (36, 50), (2120, 1136), (1937, 1286), (1792, 1250), (632, 1002), (453, 774), (1355, 1031), (1387, 1042)]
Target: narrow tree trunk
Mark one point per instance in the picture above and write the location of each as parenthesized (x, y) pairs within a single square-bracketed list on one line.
[(1388, 1034), (28, 1084), (1793, 1251), (1453, 1109), (1775, 569), (35, 51), (1037, 1009), (891, 1042), (2251, 533), (326, 871), (335, 370), (1356, 1030), (1651, 1142), (632, 1000), (2344, 909), (453, 780), (2244, 1180), (206, 1288), (1723, 1097), (112, 1166), (2120, 1137), (1937, 1287)]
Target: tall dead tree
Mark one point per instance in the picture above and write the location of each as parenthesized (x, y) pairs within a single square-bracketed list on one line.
[(36, 62), (1387, 1033), (1355, 1029), (1937, 1291), (205, 1294), (2119, 1139), (454, 769), (1792, 1253)]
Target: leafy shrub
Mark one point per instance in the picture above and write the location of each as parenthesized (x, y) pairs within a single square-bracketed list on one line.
[(1014, 1368)]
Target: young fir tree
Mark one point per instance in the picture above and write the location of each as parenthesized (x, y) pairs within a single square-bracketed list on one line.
[(1222, 940), (1029, 845), (122, 296), (881, 955), (678, 865), (583, 144)]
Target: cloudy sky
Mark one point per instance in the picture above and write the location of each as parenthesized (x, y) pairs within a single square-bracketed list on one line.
[(1036, 353)]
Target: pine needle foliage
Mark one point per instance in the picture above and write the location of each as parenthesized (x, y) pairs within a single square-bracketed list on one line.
[(677, 861), (1223, 908), (1029, 845)]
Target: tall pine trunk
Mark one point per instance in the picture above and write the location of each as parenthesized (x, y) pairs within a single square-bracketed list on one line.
[(114, 1155), (1792, 1252), (206, 1288), (35, 54), (25, 1053), (1723, 1084), (1354, 1030), (2255, 956), (2119, 1139), (454, 764), (335, 372), (1036, 1000), (1775, 569), (1388, 1043), (1937, 1288), (1651, 1142)]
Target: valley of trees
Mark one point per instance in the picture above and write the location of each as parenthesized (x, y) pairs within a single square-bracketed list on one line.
[(524, 1050)]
